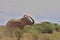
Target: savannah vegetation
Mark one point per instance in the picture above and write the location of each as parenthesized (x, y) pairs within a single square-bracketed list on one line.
[(41, 31)]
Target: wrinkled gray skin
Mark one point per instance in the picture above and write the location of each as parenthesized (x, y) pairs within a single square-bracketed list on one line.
[(20, 23)]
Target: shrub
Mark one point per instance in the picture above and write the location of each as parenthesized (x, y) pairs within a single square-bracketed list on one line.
[(46, 27)]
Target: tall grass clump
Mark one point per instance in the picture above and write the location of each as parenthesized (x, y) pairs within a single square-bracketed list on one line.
[(33, 30)]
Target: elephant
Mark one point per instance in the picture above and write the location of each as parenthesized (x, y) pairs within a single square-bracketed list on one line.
[(20, 23)]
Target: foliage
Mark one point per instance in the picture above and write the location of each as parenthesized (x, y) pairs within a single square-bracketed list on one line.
[(38, 31), (57, 27), (46, 27)]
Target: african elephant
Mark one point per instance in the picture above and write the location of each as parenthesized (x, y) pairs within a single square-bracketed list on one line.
[(20, 23)]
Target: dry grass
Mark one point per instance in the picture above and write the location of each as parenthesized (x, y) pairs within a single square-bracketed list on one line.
[(29, 36)]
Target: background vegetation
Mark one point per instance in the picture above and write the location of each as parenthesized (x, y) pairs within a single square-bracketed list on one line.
[(41, 31)]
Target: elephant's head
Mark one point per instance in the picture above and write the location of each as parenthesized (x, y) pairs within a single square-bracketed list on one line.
[(29, 20)]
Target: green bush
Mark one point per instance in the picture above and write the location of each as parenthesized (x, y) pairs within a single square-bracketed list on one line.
[(57, 27), (27, 28), (46, 27)]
